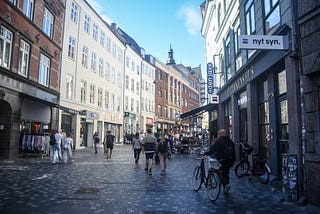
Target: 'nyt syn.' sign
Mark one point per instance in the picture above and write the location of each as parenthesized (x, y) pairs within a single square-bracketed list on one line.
[(265, 42), (210, 73)]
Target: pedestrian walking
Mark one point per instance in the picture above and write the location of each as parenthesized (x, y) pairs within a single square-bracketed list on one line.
[(136, 146), (67, 148), (96, 141), (164, 150), (224, 151), (56, 146), (108, 143), (46, 148), (149, 144)]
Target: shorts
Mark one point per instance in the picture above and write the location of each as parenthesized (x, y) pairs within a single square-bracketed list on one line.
[(149, 155), (109, 146)]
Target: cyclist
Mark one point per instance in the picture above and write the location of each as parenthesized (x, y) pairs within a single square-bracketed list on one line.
[(224, 151)]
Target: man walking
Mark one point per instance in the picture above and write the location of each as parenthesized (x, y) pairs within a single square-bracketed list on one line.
[(149, 143), (224, 151), (108, 143)]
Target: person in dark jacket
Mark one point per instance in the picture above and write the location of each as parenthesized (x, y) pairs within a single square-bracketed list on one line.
[(224, 151)]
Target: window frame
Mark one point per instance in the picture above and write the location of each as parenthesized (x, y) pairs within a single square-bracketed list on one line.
[(24, 58), (28, 8), (44, 70), (74, 12), (48, 22)]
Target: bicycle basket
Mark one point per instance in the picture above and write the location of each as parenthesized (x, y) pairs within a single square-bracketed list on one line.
[(214, 164)]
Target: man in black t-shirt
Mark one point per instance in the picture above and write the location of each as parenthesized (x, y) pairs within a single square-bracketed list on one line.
[(108, 143)]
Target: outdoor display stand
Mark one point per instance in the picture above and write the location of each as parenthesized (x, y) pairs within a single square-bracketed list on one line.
[(289, 176)]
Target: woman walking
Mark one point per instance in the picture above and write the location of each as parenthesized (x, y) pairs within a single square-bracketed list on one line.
[(136, 145), (164, 151)]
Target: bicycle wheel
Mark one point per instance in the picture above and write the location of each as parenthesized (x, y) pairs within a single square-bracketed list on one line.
[(262, 173), (242, 169), (213, 186), (197, 178)]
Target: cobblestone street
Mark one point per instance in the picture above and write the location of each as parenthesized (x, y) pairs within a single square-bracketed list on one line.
[(94, 184)]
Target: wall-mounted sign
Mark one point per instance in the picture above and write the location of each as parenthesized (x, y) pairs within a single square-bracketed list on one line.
[(263, 42), (210, 73)]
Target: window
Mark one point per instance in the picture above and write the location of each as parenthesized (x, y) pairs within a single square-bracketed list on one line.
[(83, 91), (118, 103), (114, 49), (102, 38), (132, 85), (119, 79), (108, 44), (236, 38), (69, 87), (87, 23), (5, 47), (126, 103), (272, 15), (92, 93), (113, 75), (13, 1), (112, 102), (159, 110), (250, 19), (47, 23), (95, 31), (24, 54), (74, 12), (93, 61), (85, 52), (120, 55), (106, 99), (132, 105), (282, 82), (28, 8), (44, 70), (228, 51), (107, 74), (100, 97), (127, 82), (71, 47), (101, 67), (127, 61), (137, 88), (137, 106)]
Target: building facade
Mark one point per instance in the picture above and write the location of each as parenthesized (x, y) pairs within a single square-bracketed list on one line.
[(30, 56), (92, 75), (259, 90), (177, 91), (307, 16)]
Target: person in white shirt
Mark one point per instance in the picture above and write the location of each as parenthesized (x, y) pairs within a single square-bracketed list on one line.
[(57, 147), (67, 148)]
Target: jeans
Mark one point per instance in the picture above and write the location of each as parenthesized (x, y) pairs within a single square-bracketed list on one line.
[(96, 147), (56, 148)]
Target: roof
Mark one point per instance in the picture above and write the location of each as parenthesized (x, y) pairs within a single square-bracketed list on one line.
[(200, 110)]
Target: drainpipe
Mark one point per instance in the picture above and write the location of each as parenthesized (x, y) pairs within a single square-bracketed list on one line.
[(297, 56)]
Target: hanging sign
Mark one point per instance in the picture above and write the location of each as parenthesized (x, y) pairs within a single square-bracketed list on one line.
[(266, 42)]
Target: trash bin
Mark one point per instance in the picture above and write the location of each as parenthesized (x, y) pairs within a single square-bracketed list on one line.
[(290, 176)]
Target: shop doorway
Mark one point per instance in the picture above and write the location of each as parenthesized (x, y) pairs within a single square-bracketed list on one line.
[(5, 124), (243, 126)]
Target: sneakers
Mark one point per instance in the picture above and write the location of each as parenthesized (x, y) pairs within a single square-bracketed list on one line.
[(163, 172), (146, 170), (150, 172)]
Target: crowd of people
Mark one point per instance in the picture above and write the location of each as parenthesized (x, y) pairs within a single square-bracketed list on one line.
[(157, 150)]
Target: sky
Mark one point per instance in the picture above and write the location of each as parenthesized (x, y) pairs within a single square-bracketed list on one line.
[(157, 24)]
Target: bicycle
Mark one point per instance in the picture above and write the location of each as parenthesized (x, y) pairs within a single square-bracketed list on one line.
[(211, 181), (260, 169)]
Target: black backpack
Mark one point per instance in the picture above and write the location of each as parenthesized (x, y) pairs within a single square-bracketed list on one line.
[(229, 152), (52, 140), (163, 146)]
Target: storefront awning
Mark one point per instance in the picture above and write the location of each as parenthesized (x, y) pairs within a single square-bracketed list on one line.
[(198, 111)]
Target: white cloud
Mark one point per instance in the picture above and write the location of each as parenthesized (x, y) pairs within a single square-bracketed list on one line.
[(100, 10), (192, 19)]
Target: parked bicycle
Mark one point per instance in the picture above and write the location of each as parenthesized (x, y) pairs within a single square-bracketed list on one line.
[(260, 169), (211, 179)]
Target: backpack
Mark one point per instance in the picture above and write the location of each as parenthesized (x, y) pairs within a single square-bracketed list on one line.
[(229, 152), (52, 140), (163, 146)]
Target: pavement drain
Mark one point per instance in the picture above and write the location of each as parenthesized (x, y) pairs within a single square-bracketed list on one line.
[(87, 190)]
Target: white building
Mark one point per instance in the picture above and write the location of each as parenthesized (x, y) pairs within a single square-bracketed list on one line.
[(91, 75)]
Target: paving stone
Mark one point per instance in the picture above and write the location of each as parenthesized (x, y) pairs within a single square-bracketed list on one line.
[(94, 184)]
